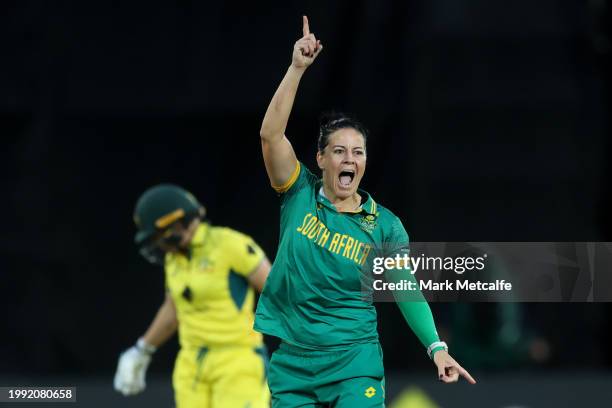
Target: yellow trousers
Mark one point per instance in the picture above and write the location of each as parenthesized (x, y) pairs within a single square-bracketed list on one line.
[(226, 377)]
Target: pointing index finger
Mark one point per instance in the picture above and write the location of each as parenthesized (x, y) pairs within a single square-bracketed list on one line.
[(466, 375), (305, 28)]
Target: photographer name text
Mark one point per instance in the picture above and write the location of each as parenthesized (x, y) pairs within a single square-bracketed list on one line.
[(431, 285)]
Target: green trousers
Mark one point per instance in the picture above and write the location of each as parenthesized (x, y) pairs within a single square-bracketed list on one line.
[(305, 378)]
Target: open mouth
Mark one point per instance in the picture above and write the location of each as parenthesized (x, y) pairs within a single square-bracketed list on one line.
[(346, 177)]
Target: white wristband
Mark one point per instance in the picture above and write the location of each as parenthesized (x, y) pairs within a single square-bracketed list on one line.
[(145, 347), (435, 345)]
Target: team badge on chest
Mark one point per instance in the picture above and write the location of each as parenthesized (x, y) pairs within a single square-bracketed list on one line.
[(206, 265), (368, 223)]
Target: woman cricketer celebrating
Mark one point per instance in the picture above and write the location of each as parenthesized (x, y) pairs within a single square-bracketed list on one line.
[(330, 353), (211, 274)]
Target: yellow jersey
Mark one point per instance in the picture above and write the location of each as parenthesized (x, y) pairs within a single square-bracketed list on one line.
[(210, 288)]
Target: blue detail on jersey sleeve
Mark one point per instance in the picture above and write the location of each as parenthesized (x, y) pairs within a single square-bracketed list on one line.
[(238, 286)]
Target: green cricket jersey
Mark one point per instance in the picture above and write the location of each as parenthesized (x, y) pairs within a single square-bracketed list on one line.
[(313, 297)]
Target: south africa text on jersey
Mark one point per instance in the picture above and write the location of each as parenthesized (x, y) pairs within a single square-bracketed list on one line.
[(340, 244)]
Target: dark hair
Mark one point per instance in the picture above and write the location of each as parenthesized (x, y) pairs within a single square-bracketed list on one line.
[(329, 122)]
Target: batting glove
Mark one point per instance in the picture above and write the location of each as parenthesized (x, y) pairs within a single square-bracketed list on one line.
[(132, 368)]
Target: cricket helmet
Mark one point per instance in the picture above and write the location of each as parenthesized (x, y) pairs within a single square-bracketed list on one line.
[(161, 206)]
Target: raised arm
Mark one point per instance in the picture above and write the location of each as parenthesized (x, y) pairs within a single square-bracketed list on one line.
[(279, 157)]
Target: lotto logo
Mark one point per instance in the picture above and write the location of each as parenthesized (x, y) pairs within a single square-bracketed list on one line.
[(370, 392)]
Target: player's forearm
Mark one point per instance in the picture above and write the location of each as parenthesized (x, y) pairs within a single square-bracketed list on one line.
[(419, 318), (414, 308), (277, 115), (164, 325)]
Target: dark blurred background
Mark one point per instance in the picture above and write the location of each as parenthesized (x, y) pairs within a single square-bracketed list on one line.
[(489, 121)]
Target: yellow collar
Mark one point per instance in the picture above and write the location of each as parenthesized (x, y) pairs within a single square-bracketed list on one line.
[(200, 235)]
